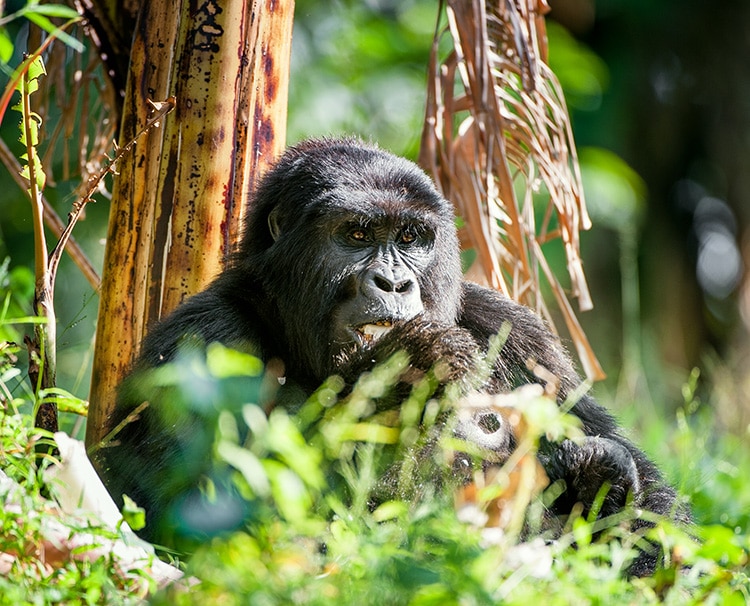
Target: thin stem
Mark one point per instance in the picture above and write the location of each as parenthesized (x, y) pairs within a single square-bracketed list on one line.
[(161, 109)]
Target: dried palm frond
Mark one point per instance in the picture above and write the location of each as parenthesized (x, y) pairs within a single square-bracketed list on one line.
[(78, 87), (497, 140), (77, 98)]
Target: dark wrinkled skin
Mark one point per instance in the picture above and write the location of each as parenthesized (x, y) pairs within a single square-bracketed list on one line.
[(340, 235)]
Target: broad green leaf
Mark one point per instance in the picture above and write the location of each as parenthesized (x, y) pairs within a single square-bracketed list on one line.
[(247, 464), (224, 362), (6, 46), (36, 69)]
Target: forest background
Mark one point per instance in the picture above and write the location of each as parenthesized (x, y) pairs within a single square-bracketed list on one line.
[(659, 99), (659, 96)]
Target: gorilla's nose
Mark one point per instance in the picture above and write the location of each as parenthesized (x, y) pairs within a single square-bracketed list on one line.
[(395, 289), (392, 284)]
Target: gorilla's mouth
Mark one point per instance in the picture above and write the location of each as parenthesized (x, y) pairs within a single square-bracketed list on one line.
[(371, 332)]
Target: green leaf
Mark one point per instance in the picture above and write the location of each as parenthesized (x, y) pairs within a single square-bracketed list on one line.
[(66, 401), (41, 177), (247, 464), (390, 510), (36, 69), (28, 84), (132, 514), (582, 531), (722, 545), (47, 25), (284, 437), (34, 122), (51, 10), (288, 490), (224, 362), (6, 46)]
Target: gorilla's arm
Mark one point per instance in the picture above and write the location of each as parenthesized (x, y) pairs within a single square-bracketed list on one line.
[(529, 343), (225, 312), (606, 456), (162, 450)]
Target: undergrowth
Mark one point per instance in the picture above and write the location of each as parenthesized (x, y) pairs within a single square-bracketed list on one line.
[(311, 534)]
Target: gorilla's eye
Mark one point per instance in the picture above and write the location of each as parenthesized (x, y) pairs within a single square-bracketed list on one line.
[(359, 235), (408, 236)]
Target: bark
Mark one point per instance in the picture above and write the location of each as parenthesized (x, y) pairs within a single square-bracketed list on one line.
[(179, 200)]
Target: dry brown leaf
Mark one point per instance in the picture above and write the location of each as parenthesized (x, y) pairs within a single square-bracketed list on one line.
[(503, 491), (498, 142)]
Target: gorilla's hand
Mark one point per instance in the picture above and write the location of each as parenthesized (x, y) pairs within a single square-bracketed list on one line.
[(589, 466), (450, 352)]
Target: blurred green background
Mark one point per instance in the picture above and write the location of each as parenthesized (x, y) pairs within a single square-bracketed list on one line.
[(659, 95)]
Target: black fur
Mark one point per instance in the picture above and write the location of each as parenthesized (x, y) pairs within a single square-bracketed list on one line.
[(341, 235)]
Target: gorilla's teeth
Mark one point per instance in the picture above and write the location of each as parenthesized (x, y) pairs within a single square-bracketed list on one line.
[(375, 331)]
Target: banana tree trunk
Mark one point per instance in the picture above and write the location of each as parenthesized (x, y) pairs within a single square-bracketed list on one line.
[(179, 198)]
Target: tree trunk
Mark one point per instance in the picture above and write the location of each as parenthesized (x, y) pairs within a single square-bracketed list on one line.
[(179, 198)]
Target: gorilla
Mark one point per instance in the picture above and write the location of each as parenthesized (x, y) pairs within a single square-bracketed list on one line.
[(349, 254)]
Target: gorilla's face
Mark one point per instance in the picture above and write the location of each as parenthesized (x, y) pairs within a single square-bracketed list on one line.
[(350, 240), (383, 255)]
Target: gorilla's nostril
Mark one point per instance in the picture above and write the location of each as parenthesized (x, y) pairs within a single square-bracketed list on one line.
[(403, 287), (489, 422), (383, 284)]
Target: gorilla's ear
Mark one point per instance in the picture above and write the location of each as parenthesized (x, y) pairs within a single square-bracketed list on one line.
[(274, 224)]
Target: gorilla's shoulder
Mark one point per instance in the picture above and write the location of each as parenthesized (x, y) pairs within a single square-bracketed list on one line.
[(196, 319), (485, 310)]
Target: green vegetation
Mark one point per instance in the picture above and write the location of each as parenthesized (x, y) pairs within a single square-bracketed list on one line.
[(309, 535)]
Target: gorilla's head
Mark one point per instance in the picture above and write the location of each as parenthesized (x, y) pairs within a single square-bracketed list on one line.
[(346, 240)]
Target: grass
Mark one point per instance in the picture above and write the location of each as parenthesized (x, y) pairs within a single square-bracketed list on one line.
[(311, 536)]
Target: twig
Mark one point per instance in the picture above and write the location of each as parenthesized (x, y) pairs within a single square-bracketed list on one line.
[(161, 109), (107, 440)]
